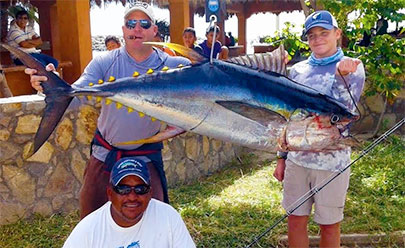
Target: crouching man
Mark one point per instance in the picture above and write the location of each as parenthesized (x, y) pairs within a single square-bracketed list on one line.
[(131, 218)]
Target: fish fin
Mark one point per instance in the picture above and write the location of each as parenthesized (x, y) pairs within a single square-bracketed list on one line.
[(261, 115), (57, 98), (169, 132), (267, 62), (194, 56)]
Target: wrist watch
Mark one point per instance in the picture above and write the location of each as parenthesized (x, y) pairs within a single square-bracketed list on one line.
[(281, 155)]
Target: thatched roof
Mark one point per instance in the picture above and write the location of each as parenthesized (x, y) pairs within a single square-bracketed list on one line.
[(198, 5)]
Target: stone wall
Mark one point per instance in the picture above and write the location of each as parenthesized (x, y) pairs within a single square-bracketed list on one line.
[(371, 109), (49, 181)]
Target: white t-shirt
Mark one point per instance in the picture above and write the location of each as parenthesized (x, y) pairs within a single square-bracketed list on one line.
[(161, 226)]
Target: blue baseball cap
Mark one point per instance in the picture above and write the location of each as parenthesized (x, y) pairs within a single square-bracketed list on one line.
[(129, 166), (322, 19)]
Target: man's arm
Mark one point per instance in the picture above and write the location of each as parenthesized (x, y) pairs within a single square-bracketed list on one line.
[(34, 42), (350, 75)]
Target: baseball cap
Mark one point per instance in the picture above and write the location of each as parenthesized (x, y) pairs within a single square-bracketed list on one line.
[(141, 6), (322, 19), (129, 166)]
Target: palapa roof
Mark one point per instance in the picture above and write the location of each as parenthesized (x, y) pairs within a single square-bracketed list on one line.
[(255, 6)]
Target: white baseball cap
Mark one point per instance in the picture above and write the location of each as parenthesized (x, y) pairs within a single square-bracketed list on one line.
[(141, 6)]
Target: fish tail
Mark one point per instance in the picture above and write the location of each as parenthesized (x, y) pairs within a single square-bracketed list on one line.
[(58, 97), (54, 110)]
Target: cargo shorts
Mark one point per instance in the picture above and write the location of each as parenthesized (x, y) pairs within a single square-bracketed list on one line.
[(328, 202)]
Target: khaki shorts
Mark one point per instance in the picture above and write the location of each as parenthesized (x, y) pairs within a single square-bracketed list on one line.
[(329, 202)]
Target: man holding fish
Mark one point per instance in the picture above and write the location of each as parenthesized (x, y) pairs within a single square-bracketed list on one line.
[(116, 124), (333, 74)]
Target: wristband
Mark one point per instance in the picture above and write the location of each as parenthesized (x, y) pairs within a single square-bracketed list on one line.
[(282, 155)]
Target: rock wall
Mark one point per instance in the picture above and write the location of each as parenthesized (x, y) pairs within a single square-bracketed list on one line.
[(371, 109), (49, 181)]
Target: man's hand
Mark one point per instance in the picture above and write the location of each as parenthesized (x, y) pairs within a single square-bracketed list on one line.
[(279, 171), (37, 80), (347, 66)]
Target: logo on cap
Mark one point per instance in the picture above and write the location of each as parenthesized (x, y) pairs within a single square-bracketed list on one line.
[(316, 16)]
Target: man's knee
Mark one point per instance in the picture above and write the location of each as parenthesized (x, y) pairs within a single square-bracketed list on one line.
[(330, 229), (297, 223)]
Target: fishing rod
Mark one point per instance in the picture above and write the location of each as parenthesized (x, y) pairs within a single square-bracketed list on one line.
[(326, 181)]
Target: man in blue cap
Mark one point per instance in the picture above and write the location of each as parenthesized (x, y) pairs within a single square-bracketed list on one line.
[(131, 218), (330, 72)]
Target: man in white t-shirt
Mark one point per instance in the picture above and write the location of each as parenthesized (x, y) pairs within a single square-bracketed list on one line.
[(131, 219)]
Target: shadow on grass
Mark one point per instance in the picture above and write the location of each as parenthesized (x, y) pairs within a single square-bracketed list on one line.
[(230, 208)]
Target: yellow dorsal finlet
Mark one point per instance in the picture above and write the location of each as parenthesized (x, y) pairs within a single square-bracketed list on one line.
[(100, 81), (108, 101), (135, 74), (150, 71), (118, 105), (165, 68), (153, 119), (141, 114), (130, 110), (91, 84), (99, 98), (111, 79)]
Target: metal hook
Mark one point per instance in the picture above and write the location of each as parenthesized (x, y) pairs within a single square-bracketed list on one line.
[(213, 21)]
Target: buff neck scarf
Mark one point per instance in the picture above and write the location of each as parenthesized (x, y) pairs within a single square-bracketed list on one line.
[(328, 60)]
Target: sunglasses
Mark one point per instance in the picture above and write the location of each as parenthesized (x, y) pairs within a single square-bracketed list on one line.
[(145, 24), (138, 189)]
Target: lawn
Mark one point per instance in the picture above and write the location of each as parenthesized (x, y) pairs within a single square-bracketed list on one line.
[(231, 207)]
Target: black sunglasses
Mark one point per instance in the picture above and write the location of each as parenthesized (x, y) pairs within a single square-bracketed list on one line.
[(145, 24), (138, 189)]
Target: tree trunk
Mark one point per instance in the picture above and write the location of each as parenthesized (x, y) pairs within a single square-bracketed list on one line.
[(314, 5), (377, 128)]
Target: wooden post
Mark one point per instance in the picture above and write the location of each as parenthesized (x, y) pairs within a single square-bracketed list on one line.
[(191, 13), (242, 30), (74, 39), (179, 19)]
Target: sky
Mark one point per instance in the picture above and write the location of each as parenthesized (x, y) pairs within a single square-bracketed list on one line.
[(258, 25)]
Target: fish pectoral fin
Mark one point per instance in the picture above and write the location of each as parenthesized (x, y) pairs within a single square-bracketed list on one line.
[(261, 115), (169, 132), (194, 56)]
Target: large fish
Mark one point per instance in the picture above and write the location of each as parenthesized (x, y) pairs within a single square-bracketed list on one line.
[(227, 101)]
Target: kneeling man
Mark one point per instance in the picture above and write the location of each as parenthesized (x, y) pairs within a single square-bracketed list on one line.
[(130, 218)]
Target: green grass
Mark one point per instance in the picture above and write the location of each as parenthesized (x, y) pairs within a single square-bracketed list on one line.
[(230, 208)]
